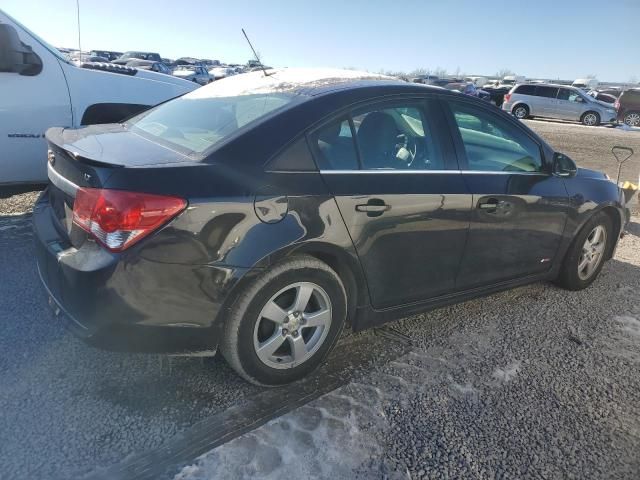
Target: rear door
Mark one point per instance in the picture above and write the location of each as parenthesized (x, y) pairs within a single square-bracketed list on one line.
[(569, 104), (546, 99), (519, 209), (392, 170)]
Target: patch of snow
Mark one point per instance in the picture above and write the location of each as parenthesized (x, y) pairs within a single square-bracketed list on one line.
[(507, 373), (279, 80), (629, 324)]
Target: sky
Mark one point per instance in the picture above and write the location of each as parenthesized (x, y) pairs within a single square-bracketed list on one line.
[(553, 39)]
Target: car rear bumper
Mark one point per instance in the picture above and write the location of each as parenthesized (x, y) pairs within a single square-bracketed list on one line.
[(125, 302)]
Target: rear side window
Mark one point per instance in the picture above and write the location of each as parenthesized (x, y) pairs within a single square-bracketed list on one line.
[(548, 92), (526, 90), (334, 146), (493, 144), (396, 138)]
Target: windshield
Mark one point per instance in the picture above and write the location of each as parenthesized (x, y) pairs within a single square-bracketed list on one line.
[(194, 125)]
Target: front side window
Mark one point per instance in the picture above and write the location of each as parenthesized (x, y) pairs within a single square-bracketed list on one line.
[(493, 144), (397, 138), (568, 94)]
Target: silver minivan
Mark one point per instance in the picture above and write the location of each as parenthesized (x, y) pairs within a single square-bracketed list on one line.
[(557, 101)]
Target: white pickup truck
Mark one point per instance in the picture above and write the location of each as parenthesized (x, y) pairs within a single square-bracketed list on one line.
[(40, 88)]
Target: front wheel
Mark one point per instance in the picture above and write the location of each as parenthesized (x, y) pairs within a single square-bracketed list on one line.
[(591, 119), (283, 325), (587, 253)]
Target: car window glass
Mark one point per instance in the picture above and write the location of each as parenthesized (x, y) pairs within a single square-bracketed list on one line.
[(397, 138), (574, 96), (564, 93), (493, 144), (549, 92), (526, 90), (334, 146)]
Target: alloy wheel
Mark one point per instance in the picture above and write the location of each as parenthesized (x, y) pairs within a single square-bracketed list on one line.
[(590, 119), (592, 252), (292, 325), (520, 112), (632, 119)]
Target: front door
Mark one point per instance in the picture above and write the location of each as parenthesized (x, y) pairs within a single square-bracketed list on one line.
[(403, 199), (29, 104), (519, 209), (569, 105)]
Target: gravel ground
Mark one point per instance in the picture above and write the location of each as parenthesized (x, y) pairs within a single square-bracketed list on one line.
[(590, 147), (535, 382), (516, 363)]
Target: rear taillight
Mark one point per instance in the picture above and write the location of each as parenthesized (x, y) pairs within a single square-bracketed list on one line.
[(118, 219), (507, 97)]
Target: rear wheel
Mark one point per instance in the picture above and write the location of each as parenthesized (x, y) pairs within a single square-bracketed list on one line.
[(283, 325), (632, 119), (586, 256), (590, 119), (520, 111)]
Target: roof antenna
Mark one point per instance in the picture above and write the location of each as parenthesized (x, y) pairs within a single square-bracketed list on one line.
[(264, 70), (78, 14)]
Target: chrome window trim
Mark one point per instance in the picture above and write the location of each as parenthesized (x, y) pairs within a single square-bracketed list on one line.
[(62, 183), (471, 172)]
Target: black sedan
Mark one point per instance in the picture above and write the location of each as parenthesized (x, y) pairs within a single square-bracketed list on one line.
[(262, 214)]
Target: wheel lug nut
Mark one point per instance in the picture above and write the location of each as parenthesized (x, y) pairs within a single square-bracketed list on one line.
[(295, 333), (285, 331)]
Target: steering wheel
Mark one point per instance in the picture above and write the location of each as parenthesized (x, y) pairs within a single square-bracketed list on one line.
[(406, 149)]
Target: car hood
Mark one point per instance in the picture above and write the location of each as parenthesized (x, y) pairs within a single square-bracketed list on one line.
[(113, 145)]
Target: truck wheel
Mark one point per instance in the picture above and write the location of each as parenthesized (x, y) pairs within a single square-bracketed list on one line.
[(591, 119), (520, 111), (283, 325), (586, 256)]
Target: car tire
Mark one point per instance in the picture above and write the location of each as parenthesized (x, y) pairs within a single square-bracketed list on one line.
[(520, 111), (632, 119), (573, 272), (590, 119), (262, 350)]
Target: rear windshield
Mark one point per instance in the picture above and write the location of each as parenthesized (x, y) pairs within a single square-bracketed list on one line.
[(193, 125)]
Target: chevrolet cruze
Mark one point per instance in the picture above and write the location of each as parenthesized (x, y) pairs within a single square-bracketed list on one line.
[(263, 213)]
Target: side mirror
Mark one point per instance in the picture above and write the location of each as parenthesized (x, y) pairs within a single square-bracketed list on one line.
[(563, 166), (15, 56)]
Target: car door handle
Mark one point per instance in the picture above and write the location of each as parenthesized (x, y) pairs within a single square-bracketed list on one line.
[(490, 204), (373, 207)]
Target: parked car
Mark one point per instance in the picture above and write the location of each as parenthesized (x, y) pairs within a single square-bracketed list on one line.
[(477, 81), (426, 79), (93, 58), (128, 56), (628, 107), (557, 101), (585, 83), (496, 93), (260, 215), (42, 88), (218, 73), (602, 97), (106, 54), (511, 80), (193, 73), (159, 67)]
